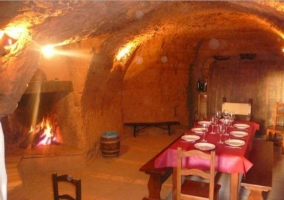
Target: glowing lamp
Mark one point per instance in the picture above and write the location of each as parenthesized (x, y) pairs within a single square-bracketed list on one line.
[(48, 51)]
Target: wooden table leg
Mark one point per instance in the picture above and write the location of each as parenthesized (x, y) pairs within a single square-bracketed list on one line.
[(174, 184), (154, 187), (234, 186)]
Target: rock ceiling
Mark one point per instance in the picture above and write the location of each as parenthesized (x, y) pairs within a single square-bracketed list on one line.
[(253, 26)]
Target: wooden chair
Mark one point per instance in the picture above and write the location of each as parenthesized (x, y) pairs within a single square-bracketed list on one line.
[(277, 124), (66, 178), (192, 189), (242, 111)]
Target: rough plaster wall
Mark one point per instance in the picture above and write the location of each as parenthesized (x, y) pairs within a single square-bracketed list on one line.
[(155, 84), (101, 101), (150, 88), (77, 62), (14, 78)]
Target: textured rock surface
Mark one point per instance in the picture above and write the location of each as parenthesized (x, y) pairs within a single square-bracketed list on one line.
[(174, 44)]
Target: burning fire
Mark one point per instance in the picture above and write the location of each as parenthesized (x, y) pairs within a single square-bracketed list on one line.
[(43, 133)]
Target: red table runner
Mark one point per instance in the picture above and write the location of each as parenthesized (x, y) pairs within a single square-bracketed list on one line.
[(228, 160)]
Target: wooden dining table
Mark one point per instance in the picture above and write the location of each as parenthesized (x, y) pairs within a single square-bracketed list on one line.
[(230, 159)]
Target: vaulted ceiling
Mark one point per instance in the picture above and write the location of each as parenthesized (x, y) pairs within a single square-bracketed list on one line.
[(231, 27)]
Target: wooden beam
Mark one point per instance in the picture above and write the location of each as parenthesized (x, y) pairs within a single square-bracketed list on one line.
[(48, 86)]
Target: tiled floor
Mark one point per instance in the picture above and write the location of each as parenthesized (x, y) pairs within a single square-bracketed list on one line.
[(120, 178)]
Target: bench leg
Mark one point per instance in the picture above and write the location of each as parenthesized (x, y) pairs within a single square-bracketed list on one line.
[(154, 187), (255, 194)]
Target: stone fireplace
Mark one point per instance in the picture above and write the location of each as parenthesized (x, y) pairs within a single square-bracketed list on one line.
[(35, 133), (36, 112)]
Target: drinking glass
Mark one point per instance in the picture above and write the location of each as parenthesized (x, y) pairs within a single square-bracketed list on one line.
[(221, 131), (213, 123), (218, 115), (204, 130), (231, 118), (225, 114), (226, 124)]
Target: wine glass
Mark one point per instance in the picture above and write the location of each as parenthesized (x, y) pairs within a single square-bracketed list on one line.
[(204, 130), (225, 114), (226, 124), (231, 118), (221, 131), (218, 115), (213, 123)]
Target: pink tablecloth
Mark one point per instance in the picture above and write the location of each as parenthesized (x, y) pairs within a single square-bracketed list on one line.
[(228, 160)]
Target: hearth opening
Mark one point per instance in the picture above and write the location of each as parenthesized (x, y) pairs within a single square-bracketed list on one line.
[(44, 133), (35, 121)]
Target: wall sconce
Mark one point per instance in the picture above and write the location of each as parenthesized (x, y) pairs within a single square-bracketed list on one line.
[(8, 39)]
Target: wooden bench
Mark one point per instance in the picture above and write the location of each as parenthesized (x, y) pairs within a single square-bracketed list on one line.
[(138, 126), (259, 178), (157, 176)]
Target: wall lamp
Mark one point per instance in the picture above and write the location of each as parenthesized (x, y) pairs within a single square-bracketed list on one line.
[(9, 38)]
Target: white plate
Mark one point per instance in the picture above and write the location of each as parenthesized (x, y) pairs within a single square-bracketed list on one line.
[(239, 133), (190, 138), (235, 142), (204, 122), (204, 146), (197, 130), (241, 126)]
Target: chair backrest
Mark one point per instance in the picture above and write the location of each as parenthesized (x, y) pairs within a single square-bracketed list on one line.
[(242, 111), (278, 118), (183, 171), (66, 178)]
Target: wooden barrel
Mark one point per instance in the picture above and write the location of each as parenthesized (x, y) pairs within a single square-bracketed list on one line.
[(110, 144)]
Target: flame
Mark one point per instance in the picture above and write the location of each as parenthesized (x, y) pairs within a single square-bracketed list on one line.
[(45, 129)]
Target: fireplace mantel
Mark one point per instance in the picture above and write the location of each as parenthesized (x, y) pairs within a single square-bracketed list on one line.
[(48, 86)]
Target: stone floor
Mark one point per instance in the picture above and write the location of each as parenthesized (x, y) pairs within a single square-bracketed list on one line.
[(120, 179)]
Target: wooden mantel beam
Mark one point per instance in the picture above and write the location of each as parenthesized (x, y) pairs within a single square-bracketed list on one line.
[(49, 86)]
